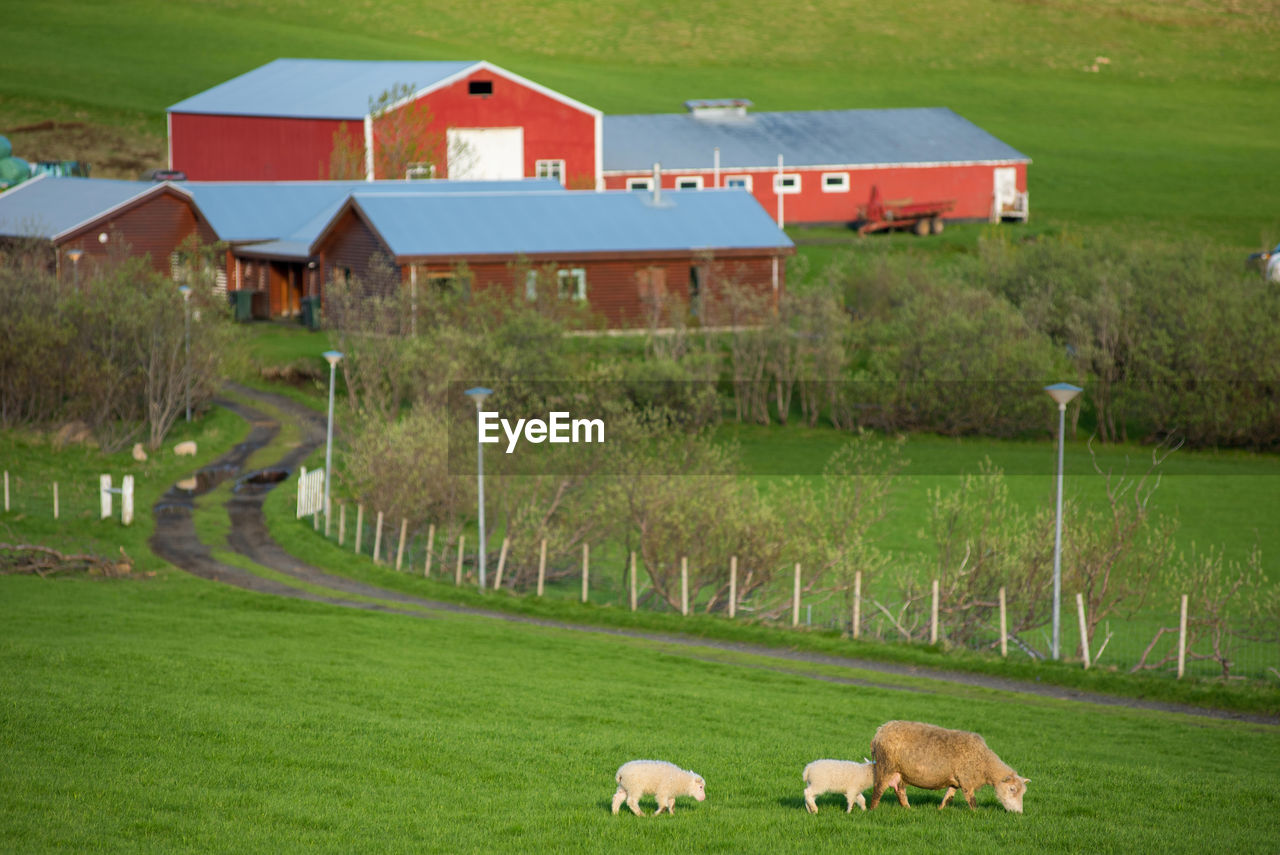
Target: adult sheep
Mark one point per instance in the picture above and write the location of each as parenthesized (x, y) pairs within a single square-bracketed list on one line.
[(931, 757), (665, 780)]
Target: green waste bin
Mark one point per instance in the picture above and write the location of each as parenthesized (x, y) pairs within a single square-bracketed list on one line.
[(310, 314), (244, 305)]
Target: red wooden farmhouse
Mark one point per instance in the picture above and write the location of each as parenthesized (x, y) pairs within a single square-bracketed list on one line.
[(279, 122)]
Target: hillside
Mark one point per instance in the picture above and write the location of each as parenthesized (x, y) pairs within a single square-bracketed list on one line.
[(1146, 115)]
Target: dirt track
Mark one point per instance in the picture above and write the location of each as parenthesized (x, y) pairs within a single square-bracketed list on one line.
[(176, 541)]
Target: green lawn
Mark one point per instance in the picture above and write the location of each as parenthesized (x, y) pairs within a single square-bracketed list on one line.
[(175, 714)]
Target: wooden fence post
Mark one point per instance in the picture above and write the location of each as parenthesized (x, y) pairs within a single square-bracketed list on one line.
[(733, 587), (377, 539), (315, 521), (502, 562), (586, 570), (795, 599), (359, 525), (404, 529), (457, 574), (542, 566), (1084, 630), (1004, 626), (933, 616), (126, 501), (857, 603), (1182, 638), (104, 496), (684, 585), (431, 542), (342, 523), (633, 580), (55, 500)]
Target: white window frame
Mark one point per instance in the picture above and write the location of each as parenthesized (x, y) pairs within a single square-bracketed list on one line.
[(578, 273), (783, 189), (694, 182), (531, 285), (639, 183), (550, 168), (420, 171), (744, 179), (841, 187)]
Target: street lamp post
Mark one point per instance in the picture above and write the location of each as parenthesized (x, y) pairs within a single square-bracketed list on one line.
[(1062, 393), (185, 290), (333, 357), (478, 394)]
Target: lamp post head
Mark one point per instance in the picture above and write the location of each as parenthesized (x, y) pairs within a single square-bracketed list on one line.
[(1063, 393), (185, 291), (333, 357), (74, 255), (478, 394)]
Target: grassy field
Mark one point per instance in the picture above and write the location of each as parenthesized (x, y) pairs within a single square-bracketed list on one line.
[(1169, 135), (172, 714)]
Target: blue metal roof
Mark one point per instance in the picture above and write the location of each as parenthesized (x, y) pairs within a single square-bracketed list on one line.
[(48, 206), (316, 88), (812, 138), (570, 222), (242, 211)]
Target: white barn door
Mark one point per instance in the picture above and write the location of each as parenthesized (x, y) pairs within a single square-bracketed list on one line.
[(1006, 180), (486, 154)]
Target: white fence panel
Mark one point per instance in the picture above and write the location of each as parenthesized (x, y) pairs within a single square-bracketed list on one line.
[(310, 492)]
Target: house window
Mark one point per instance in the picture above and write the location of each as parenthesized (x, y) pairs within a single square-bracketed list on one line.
[(740, 181), (786, 184), (551, 169), (835, 182), (448, 283), (689, 182), (483, 88), (573, 283), (420, 171), (531, 285), (639, 183)]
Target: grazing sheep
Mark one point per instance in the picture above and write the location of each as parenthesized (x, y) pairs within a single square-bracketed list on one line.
[(664, 780), (931, 757), (187, 448), (840, 776)]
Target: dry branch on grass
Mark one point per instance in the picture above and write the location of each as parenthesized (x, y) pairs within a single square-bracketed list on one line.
[(44, 562)]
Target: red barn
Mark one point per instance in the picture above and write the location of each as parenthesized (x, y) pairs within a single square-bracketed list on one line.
[(472, 120), (820, 166)]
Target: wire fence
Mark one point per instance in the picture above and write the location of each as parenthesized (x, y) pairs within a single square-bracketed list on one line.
[(1149, 641)]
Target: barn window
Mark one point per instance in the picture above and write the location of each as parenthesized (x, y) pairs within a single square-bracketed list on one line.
[(551, 169), (420, 171), (483, 88), (742, 182), (689, 182), (835, 182), (639, 183), (786, 184), (573, 283)]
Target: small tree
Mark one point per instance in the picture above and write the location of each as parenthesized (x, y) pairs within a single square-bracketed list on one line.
[(401, 138)]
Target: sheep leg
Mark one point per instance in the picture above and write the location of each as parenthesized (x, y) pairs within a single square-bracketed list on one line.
[(633, 802), (862, 802), (890, 781), (809, 804), (946, 800), (968, 797), (900, 788), (618, 798)]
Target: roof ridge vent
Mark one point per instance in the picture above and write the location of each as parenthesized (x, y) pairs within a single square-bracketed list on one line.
[(718, 108)]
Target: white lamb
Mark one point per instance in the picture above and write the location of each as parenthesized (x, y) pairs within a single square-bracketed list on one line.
[(839, 776), (665, 780)]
